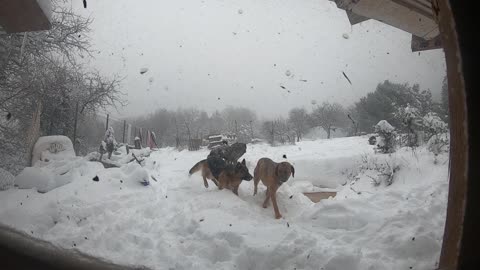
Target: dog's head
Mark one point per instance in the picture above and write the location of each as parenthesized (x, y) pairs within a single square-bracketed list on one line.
[(242, 171), (283, 171)]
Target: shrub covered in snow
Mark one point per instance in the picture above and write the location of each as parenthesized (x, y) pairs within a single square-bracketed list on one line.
[(52, 148), (6, 179), (411, 121), (387, 135), (436, 131), (434, 125), (439, 143), (378, 170)]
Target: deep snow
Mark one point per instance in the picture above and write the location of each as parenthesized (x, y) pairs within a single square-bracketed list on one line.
[(176, 223)]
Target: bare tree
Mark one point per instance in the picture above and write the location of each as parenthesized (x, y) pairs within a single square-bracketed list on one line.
[(298, 119), (329, 116), (40, 77), (268, 131), (284, 131)]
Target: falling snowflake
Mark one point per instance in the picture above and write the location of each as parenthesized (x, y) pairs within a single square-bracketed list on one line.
[(345, 36), (143, 70), (288, 73)]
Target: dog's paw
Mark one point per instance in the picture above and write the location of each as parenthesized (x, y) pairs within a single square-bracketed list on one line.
[(278, 216)]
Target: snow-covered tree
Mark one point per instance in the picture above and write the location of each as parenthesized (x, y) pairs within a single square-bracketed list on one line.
[(387, 134)]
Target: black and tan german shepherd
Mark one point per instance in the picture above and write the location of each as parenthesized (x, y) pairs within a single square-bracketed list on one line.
[(229, 177)]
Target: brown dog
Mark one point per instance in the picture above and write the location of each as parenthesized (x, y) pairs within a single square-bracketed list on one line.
[(273, 175), (231, 177), (206, 173)]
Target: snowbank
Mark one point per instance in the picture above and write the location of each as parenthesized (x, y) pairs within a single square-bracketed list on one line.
[(177, 223), (52, 148), (38, 178)]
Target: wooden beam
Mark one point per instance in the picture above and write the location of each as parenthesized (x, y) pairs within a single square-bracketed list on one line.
[(25, 15), (421, 44)]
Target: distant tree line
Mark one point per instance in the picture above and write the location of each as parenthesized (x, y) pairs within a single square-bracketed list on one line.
[(396, 103)]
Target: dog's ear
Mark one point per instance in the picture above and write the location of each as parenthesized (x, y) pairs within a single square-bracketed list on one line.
[(243, 162), (293, 171)]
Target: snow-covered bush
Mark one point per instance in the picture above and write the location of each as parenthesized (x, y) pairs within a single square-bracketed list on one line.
[(377, 169), (6, 179), (387, 135), (411, 121), (439, 143), (434, 125), (436, 131)]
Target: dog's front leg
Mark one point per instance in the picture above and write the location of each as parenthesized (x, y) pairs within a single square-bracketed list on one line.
[(235, 190)]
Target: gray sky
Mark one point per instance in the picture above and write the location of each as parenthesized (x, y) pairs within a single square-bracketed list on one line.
[(209, 54)]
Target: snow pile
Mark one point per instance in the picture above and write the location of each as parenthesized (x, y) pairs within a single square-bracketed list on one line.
[(6, 179), (176, 223), (49, 148), (38, 178)]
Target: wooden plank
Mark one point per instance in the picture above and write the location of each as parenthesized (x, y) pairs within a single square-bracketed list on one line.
[(318, 196)]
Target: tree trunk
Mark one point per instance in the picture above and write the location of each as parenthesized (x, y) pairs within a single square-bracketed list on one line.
[(328, 132)]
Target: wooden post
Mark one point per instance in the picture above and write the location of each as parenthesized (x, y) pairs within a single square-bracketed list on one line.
[(124, 126), (75, 127), (106, 126)]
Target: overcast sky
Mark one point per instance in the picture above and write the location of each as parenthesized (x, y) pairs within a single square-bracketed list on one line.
[(209, 54)]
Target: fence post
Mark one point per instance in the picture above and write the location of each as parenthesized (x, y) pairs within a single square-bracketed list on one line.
[(124, 126), (75, 127), (106, 126)]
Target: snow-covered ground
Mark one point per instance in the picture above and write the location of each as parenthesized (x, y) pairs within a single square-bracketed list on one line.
[(175, 223)]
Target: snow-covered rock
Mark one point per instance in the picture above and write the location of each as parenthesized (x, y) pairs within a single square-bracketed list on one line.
[(49, 148), (6, 179)]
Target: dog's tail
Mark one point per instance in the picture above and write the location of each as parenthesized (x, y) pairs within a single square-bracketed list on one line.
[(197, 167)]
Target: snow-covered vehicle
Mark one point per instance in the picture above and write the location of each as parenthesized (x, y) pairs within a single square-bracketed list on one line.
[(215, 140)]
